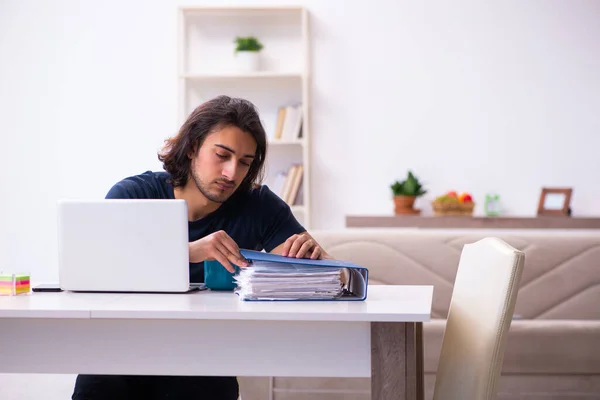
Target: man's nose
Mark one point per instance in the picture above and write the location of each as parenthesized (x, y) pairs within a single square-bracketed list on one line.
[(230, 170)]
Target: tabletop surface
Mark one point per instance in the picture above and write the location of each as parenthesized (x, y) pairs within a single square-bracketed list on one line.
[(385, 303)]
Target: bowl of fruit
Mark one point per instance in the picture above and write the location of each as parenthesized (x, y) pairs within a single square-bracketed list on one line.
[(453, 203)]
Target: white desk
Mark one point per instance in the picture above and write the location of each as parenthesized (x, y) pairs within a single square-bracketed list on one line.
[(214, 333)]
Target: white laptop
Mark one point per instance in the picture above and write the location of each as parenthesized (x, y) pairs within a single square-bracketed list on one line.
[(123, 245)]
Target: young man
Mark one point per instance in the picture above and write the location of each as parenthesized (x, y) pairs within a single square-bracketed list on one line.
[(215, 163)]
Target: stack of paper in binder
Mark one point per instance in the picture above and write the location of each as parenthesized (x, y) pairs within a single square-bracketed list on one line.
[(274, 277)]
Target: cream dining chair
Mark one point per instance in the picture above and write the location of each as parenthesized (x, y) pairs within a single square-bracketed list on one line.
[(480, 314)]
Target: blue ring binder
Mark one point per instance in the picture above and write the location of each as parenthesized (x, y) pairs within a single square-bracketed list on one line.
[(216, 277)]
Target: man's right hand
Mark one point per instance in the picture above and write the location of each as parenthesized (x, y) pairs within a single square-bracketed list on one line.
[(217, 246)]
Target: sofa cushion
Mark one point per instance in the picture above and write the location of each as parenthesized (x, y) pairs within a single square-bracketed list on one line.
[(534, 347)]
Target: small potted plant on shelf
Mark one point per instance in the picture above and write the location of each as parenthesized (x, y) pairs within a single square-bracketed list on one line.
[(405, 193), (247, 53)]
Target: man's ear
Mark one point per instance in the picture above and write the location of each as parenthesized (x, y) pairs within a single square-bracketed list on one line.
[(193, 149)]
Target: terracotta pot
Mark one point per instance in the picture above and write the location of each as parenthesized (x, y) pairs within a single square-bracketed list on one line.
[(404, 204)]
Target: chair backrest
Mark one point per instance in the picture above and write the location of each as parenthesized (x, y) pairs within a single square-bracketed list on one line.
[(481, 310)]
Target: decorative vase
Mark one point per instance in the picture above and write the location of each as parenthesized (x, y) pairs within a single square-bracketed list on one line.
[(405, 205), (248, 61)]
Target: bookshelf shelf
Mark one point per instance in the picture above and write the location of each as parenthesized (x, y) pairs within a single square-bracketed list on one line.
[(281, 142), (243, 75), (279, 88), (242, 12)]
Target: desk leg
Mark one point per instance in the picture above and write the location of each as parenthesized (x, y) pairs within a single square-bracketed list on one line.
[(414, 358), (396, 361)]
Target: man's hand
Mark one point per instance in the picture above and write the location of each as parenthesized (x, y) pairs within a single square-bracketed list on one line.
[(217, 246), (301, 246)]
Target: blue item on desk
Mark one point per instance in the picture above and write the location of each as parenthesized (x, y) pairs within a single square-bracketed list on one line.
[(216, 277)]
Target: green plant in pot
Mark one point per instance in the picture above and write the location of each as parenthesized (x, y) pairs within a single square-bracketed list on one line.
[(247, 53), (405, 193)]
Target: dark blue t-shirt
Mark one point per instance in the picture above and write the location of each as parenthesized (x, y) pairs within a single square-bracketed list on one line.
[(256, 220)]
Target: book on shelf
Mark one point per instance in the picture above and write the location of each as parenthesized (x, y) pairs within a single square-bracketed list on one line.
[(287, 184), (288, 126), (274, 277)]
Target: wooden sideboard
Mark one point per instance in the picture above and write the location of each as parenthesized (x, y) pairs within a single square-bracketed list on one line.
[(468, 222)]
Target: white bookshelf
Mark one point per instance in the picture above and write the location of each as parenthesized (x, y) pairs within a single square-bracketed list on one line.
[(207, 68)]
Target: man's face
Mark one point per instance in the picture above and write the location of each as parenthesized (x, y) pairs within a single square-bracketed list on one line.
[(222, 162)]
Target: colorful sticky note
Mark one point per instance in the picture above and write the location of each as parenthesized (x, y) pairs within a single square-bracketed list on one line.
[(14, 284)]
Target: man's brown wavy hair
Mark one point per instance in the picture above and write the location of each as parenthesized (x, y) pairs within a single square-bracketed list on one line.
[(212, 115)]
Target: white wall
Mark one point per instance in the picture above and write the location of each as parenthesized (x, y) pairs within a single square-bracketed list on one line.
[(470, 95)]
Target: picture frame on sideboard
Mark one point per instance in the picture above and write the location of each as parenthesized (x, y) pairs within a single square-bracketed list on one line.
[(555, 201)]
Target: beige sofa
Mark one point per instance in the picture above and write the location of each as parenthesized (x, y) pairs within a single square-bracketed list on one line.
[(554, 343)]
